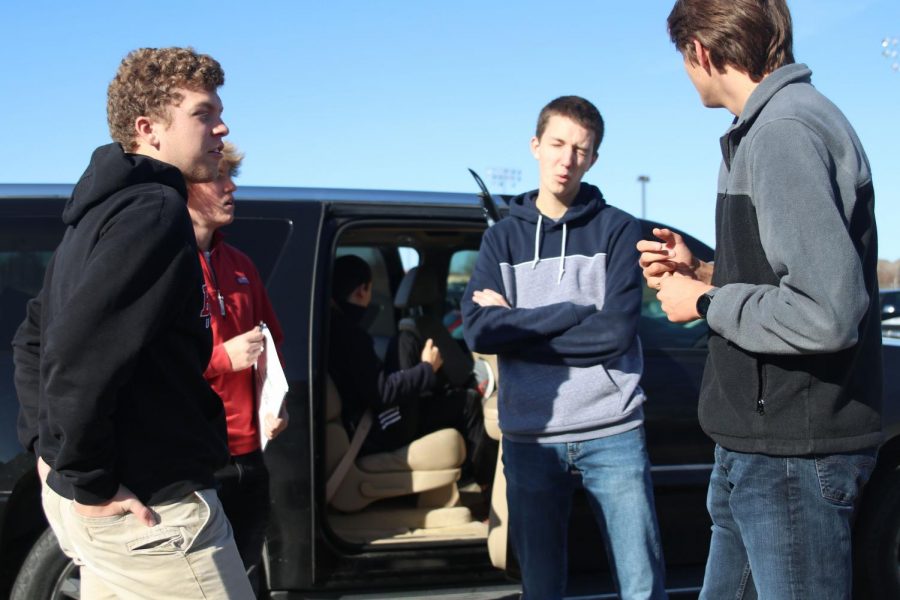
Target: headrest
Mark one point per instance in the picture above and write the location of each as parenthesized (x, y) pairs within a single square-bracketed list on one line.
[(418, 288)]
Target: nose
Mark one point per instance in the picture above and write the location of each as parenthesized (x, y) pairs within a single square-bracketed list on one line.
[(221, 129), (230, 186), (568, 157)]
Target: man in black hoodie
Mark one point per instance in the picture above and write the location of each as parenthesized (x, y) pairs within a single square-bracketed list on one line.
[(111, 355)]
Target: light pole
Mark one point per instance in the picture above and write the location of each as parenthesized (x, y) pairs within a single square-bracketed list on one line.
[(503, 177), (643, 180)]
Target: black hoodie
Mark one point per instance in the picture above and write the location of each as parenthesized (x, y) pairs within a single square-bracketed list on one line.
[(363, 383), (110, 358)]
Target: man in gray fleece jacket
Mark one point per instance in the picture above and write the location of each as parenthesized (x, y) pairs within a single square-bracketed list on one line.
[(792, 389)]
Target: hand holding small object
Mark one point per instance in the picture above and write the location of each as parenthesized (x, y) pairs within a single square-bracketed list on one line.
[(244, 349)]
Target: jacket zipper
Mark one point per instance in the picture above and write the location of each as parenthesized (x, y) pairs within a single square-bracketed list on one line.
[(761, 400)]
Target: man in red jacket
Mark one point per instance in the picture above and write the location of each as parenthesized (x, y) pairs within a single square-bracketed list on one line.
[(238, 303)]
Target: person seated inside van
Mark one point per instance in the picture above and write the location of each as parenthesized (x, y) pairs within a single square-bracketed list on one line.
[(406, 403), (359, 374), (462, 403)]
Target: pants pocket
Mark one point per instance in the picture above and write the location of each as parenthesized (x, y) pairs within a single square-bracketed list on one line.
[(94, 522), (180, 524), (841, 476), (159, 540)]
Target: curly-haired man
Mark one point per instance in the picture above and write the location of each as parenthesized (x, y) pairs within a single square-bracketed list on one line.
[(111, 355)]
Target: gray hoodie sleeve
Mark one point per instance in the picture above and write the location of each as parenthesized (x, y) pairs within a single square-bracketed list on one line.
[(803, 215)]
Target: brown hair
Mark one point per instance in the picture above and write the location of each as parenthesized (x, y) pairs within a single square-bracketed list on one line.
[(147, 82), (576, 108), (231, 160), (751, 35)]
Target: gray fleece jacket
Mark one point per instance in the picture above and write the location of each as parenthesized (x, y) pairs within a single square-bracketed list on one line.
[(795, 345)]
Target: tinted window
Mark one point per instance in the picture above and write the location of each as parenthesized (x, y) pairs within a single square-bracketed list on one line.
[(657, 331), (462, 263), (409, 257), (26, 244), (261, 239)]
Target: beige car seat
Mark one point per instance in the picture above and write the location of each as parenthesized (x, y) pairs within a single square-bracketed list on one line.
[(498, 523), (429, 466), (418, 291)]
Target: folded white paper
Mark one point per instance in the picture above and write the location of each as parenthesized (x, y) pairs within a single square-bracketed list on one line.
[(271, 384)]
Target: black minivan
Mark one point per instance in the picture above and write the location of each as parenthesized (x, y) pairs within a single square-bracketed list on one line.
[(389, 533)]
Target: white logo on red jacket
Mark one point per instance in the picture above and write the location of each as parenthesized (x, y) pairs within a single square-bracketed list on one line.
[(204, 312)]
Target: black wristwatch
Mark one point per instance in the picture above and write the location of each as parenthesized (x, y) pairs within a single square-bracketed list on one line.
[(704, 301)]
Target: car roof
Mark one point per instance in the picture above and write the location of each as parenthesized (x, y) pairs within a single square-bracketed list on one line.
[(35, 190), (278, 194)]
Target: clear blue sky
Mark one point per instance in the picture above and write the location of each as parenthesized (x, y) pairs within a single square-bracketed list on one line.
[(406, 94)]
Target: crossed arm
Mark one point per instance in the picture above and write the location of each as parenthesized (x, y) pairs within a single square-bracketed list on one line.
[(563, 332)]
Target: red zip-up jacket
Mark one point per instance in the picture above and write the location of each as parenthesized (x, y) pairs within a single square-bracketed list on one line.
[(231, 273)]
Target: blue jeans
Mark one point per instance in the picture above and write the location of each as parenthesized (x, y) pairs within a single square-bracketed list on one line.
[(781, 525), (615, 473)]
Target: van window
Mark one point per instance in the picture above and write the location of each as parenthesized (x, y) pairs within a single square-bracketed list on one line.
[(657, 332), (462, 263), (26, 245), (409, 257), (263, 240)]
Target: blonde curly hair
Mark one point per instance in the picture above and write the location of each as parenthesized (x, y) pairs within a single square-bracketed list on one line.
[(231, 160), (147, 82)]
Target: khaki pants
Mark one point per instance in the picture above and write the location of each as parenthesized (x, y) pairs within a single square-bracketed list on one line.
[(189, 555)]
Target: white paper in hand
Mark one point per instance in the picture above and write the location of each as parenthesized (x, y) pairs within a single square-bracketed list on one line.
[(271, 384)]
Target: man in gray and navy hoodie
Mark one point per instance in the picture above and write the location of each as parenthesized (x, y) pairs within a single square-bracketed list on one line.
[(556, 294)]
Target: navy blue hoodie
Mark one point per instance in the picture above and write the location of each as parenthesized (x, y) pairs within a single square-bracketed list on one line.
[(569, 356), (110, 358)]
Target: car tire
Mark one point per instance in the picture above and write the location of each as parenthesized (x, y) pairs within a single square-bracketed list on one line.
[(47, 573), (877, 543)]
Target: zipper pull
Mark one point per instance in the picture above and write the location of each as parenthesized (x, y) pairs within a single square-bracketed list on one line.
[(221, 303), (761, 406)]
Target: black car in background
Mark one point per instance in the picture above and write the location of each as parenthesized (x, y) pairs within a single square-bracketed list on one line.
[(890, 312), (398, 539)]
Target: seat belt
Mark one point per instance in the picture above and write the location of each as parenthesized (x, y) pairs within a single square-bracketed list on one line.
[(340, 472)]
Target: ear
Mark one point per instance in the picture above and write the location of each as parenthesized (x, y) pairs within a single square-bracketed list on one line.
[(145, 131), (535, 145), (702, 54)]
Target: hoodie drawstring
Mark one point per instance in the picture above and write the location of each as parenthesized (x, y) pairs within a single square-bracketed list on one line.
[(562, 256), (562, 250), (537, 242)]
